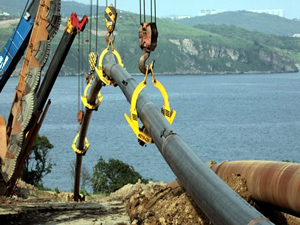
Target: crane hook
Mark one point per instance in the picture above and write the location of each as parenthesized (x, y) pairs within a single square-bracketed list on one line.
[(110, 14), (107, 40), (142, 62)]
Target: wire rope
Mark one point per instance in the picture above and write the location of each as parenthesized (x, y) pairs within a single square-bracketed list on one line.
[(140, 12), (87, 49), (82, 68), (78, 49), (91, 15), (97, 28), (151, 9), (144, 11), (155, 11)]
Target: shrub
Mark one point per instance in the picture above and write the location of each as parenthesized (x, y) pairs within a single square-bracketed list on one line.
[(38, 164), (112, 175)]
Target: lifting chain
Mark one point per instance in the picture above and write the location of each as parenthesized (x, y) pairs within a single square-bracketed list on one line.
[(148, 35)]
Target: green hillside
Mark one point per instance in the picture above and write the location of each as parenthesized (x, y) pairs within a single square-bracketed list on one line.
[(183, 49), (16, 7), (13, 7), (287, 45), (259, 22)]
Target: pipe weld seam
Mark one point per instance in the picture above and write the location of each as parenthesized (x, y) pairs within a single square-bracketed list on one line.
[(257, 220), (165, 140)]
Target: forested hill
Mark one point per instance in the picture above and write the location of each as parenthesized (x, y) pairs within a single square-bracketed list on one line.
[(181, 49), (16, 7), (260, 22)]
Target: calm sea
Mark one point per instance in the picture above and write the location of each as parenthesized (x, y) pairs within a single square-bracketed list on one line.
[(221, 117)]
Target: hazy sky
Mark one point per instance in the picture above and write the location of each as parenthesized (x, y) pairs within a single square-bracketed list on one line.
[(192, 7)]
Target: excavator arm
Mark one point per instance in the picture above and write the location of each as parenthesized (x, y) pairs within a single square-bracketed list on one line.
[(12, 163), (21, 117)]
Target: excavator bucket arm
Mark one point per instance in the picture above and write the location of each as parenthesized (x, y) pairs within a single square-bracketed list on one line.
[(21, 117)]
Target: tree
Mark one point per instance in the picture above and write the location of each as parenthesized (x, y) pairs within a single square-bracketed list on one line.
[(112, 175), (85, 176), (37, 165)]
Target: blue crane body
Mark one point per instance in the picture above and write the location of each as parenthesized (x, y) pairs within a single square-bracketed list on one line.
[(16, 45), (14, 49)]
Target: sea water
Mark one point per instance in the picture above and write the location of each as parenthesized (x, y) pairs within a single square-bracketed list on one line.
[(221, 117)]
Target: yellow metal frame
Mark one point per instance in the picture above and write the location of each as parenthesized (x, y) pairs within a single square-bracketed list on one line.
[(69, 27), (109, 25), (133, 120), (76, 150), (93, 60), (168, 114), (84, 98), (99, 70)]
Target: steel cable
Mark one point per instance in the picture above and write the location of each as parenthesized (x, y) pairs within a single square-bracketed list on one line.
[(97, 28)]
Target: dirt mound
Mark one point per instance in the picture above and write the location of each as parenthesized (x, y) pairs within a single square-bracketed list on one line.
[(153, 203), (163, 205), (160, 204)]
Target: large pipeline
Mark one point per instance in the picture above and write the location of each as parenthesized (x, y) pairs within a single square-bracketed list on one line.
[(273, 183), (217, 200), (91, 99)]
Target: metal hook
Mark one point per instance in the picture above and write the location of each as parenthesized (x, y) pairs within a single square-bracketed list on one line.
[(107, 40), (142, 63)]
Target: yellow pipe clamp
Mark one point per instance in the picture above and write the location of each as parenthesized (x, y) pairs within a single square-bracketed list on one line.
[(76, 150), (133, 120), (84, 98), (99, 70)]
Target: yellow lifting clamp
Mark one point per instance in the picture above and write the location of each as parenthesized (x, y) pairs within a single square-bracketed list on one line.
[(133, 120), (93, 57), (99, 70), (84, 98), (87, 145)]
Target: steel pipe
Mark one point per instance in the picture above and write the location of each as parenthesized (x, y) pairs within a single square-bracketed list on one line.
[(91, 99), (274, 183), (217, 200)]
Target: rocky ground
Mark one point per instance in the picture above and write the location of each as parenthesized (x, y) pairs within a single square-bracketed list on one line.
[(154, 203)]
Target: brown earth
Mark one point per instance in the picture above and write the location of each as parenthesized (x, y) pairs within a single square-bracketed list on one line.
[(154, 203), (159, 204)]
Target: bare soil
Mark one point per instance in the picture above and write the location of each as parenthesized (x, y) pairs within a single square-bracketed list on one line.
[(8, 23), (154, 203)]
